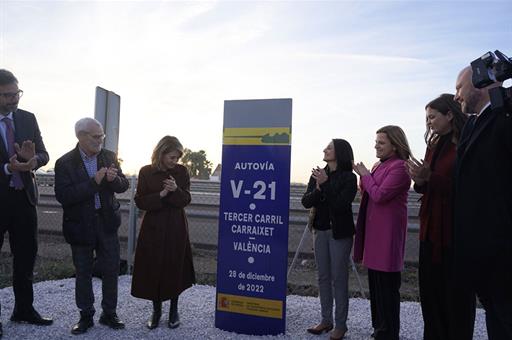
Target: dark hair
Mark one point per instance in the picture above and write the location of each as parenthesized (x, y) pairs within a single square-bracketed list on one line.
[(344, 154), (446, 103), (398, 139), (7, 78), (165, 145)]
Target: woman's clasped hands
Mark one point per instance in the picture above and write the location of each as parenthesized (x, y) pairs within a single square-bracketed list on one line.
[(169, 186)]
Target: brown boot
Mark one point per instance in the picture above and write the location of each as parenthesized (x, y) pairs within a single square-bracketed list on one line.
[(319, 329), (337, 334)]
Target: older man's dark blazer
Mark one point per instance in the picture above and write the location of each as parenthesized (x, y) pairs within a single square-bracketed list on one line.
[(75, 190), (25, 128), (483, 188)]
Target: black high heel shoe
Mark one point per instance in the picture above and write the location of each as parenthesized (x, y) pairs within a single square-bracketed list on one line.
[(155, 317), (174, 317)]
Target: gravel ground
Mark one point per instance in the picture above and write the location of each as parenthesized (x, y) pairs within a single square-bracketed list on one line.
[(56, 299)]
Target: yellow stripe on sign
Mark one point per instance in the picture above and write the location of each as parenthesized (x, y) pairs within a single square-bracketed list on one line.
[(249, 305), (257, 136)]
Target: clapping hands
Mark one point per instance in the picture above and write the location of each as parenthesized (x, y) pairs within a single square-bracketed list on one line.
[(15, 165), (419, 170), (100, 174), (319, 175), (169, 186), (360, 169), (110, 173), (27, 150), (27, 157)]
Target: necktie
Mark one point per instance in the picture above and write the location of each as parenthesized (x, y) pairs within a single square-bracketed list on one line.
[(9, 134)]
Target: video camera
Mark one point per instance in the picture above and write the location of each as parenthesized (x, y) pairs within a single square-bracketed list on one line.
[(491, 68)]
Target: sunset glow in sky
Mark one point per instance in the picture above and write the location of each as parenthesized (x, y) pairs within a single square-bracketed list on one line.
[(350, 67)]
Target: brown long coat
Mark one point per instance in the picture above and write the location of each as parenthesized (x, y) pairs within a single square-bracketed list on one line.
[(163, 265)]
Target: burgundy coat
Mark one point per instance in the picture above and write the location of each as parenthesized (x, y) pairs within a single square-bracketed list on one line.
[(382, 221), (163, 265), (436, 212)]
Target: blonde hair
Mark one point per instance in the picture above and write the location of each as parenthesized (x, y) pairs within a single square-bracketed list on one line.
[(165, 145), (398, 139)]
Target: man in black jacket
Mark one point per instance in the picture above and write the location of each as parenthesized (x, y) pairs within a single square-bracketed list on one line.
[(21, 151), (86, 179), (483, 210)]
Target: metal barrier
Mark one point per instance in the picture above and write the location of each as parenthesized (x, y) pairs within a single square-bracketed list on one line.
[(202, 213), (132, 226)]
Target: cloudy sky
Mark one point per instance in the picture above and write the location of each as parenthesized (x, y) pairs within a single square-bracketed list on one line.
[(350, 67)]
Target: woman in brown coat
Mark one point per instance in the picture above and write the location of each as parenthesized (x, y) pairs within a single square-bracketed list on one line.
[(163, 265)]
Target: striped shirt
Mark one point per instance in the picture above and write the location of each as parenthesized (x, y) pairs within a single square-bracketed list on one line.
[(91, 165)]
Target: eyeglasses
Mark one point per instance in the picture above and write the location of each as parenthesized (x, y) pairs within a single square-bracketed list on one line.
[(12, 95), (97, 137)]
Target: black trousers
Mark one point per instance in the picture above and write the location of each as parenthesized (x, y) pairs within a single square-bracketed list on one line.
[(106, 248), (490, 277), (19, 219), (435, 293), (385, 303)]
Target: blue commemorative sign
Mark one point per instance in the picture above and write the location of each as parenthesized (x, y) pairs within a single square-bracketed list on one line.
[(253, 217)]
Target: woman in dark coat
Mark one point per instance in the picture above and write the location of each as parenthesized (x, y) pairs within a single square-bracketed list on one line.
[(163, 265), (330, 192), (434, 179)]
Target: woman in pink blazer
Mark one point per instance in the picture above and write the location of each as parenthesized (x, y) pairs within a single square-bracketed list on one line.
[(382, 227)]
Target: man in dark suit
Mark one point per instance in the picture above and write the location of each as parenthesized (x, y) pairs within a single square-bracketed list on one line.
[(483, 209), (86, 179), (18, 193)]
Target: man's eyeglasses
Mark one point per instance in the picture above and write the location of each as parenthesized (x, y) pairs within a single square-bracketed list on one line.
[(12, 95), (97, 137)]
